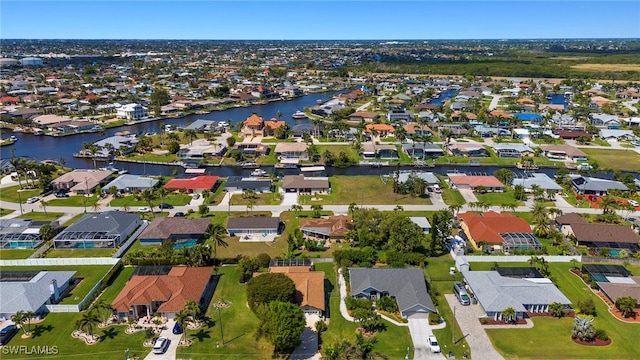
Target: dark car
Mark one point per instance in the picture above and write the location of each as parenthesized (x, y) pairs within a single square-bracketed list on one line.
[(178, 214), (7, 333), (177, 329), (165, 206), (61, 194)]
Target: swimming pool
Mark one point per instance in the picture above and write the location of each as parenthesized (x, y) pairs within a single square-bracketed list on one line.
[(20, 244), (185, 244), (614, 252), (84, 246)]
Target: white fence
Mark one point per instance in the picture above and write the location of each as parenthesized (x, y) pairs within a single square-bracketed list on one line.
[(60, 261), (131, 240), (63, 308), (521, 258)]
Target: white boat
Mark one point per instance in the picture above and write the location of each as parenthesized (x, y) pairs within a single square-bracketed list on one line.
[(299, 115), (13, 138), (37, 132), (258, 172)]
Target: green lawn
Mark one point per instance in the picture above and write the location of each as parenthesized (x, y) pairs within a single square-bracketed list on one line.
[(4, 212), (452, 197), (90, 274), (11, 194), (77, 200), (362, 190), (270, 159), (392, 342), (336, 149), (56, 330), (41, 216), (80, 253), (499, 198), (600, 142), (555, 333), (73, 219), (117, 284), (12, 254), (259, 199), (215, 197), (131, 201), (614, 159)]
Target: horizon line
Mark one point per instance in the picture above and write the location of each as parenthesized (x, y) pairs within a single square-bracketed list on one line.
[(390, 39)]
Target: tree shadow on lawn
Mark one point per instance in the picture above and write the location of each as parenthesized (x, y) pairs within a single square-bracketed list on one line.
[(237, 337), (109, 333), (201, 335), (39, 330), (208, 322)]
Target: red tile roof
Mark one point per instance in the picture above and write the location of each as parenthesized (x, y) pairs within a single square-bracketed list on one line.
[(274, 124), (379, 128), (173, 290), (195, 183), (489, 225), (254, 120), (309, 284), (473, 180)]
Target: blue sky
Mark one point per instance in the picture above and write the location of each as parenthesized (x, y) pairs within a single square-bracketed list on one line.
[(317, 20)]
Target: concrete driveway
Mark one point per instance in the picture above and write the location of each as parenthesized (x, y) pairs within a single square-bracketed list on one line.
[(289, 199), (171, 352), (308, 348), (477, 338), (420, 330)]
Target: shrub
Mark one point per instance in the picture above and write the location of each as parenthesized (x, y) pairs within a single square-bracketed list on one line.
[(434, 318), (355, 303), (484, 321), (387, 303), (270, 287), (263, 260), (587, 306), (602, 334)]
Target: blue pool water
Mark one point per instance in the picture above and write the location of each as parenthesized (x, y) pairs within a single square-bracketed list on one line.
[(185, 244), (558, 99), (614, 252), (20, 244), (528, 117), (84, 246)]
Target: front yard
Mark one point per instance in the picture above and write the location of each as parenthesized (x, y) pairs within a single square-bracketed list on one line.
[(131, 201), (614, 159), (499, 198)]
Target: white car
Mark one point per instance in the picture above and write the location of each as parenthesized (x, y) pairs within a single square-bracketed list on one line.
[(144, 209), (161, 345), (433, 344), (634, 203), (32, 200)]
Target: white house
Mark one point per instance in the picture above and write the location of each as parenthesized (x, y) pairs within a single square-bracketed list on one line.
[(132, 112)]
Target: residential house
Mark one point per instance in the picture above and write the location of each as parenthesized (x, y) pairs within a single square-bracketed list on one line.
[(599, 236), (82, 181), (21, 233), (512, 150), (563, 152), (606, 120), (422, 222), (303, 184), (594, 186), (417, 129), (123, 144), (292, 151), (428, 177), (73, 126), (526, 295), (105, 230), (613, 135), (381, 130), (400, 114), (331, 228), (371, 150), (467, 149), (620, 287), (454, 129), (499, 231), (421, 150), (132, 112), (309, 285), (127, 183), (571, 134), (271, 126), (181, 231), (235, 184), (541, 180), (194, 184), (253, 126), (166, 293), (366, 116), (406, 285), (253, 225), (32, 290), (487, 131), (252, 149)]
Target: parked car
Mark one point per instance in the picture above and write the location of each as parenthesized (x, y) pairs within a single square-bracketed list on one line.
[(177, 329), (144, 209), (32, 200), (7, 333), (433, 344), (61, 194), (179, 214), (196, 196), (165, 206), (161, 345), (634, 203)]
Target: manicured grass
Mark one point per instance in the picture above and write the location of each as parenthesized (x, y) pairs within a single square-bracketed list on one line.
[(571, 199), (336, 149), (555, 333), (131, 201), (73, 219), (362, 190), (152, 157), (117, 284), (452, 197), (36, 215), (392, 342), (215, 197), (259, 199), (12, 254), (4, 212), (80, 253), (238, 326), (56, 330), (499, 198), (11, 194), (614, 159), (90, 274), (269, 159), (78, 200), (601, 142)]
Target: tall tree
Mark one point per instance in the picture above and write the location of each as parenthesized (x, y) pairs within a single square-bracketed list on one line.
[(88, 321), (217, 233), (282, 325), (18, 319), (148, 195), (181, 317)]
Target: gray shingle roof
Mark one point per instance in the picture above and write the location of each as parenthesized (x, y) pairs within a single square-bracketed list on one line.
[(253, 222), (30, 295), (540, 179), (496, 293), (596, 184), (113, 222), (127, 181), (406, 285)]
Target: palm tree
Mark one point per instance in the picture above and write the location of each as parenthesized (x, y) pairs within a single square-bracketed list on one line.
[(190, 134), (18, 319), (161, 124), (43, 205), (17, 164), (455, 208), (163, 191), (28, 316), (88, 320), (149, 196), (217, 233), (181, 318), (509, 314), (193, 309), (96, 207), (607, 203), (295, 208), (251, 204), (539, 212)]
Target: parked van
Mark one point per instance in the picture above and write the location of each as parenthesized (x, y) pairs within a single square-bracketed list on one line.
[(461, 293)]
